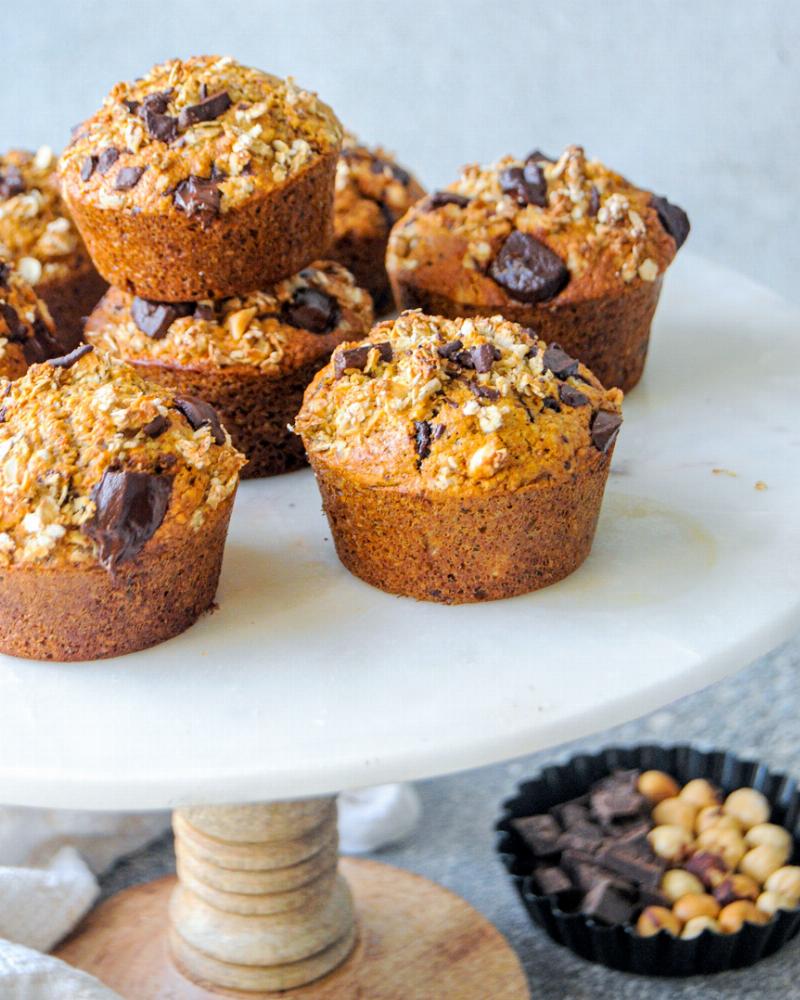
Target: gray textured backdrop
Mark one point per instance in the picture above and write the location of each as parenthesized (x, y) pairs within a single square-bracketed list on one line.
[(694, 98)]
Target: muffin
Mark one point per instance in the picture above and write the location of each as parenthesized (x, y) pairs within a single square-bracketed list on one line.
[(567, 247), (27, 334), (250, 356), (115, 496), (37, 234), (459, 460), (372, 192), (203, 179)]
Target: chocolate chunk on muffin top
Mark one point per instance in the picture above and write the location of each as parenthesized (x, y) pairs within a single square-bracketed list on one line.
[(537, 231), (27, 334), (197, 136), (94, 461), (456, 406)]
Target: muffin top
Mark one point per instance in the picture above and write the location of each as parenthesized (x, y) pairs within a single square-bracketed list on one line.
[(36, 232), (198, 136), (372, 190), (536, 231), (27, 334), (298, 320), (94, 461), (456, 406)]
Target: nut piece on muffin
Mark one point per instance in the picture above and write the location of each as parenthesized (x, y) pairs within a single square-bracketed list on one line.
[(38, 235), (459, 460), (115, 496), (250, 356), (372, 193), (567, 246), (27, 332), (203, 178)]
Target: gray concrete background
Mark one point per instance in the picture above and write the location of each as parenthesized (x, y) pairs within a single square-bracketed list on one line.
[(697, 99)]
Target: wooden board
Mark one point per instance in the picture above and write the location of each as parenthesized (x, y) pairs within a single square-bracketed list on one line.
[(417, 941)]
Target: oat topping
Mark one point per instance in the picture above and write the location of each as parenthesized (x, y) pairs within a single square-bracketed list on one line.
[(66, 429), (198, 135), (444, 405), (36, 231), (596, 225), (27, 334), (271, 330)]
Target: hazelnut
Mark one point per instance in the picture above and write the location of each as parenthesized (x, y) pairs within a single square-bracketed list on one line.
[(657, 786), (675, 812), (772, 834), (695, 904), (714, 816), (699, 793), (708, 867), (653, 919), (760, 862), (735, 915), (785, 881), (676, 883), (728, 844), (748, 806), (670, 842), (695, 927), (771, 902), (736, 887)]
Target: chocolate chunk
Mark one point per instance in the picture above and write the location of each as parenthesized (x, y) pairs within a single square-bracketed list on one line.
[(632, 862), (422, 438), (572, 813), (311, 309), (606, 904), (538, 156), (527, 184), (107, 159), (127, 178), (594, 201), (157, 102), (357, 357), (571, 396), (708, 867), (132, 106), (585, 872), (557, 361), (616, 797), (130, 507), (87, 167), (437, 431), (652, 897), (68, 360), (155, 318), (528, 270), (605, 428), (11, 182), (41, 346), (5, 270), (160, 126), (548, 403), (551, 880), (540, 833), (199, 413), (207, 110), (203, 90), (673, 218), (378, 166), (450, 350), (440, 198), (156, 427), (483, 357), (3, 413), (582, 837), (16, 330), (204, 311), (198, 196), (482, 391)]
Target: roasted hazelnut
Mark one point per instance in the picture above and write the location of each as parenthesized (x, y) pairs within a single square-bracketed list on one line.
[(677, 882), (771, 902), (736, 887), (760, 862), (708, 867), (699, 793), (713, 816), (695, 927), (675, 812), (785, 881), (735, 915), (772, 834), (657, 786), (670, 842), (695, 904), (653, 919), (748, 806), (728, 844)]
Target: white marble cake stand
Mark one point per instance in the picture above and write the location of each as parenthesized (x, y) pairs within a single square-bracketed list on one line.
[(306, 681)]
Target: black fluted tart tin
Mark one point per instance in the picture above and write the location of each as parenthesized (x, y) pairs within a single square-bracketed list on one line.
[(620, 947)]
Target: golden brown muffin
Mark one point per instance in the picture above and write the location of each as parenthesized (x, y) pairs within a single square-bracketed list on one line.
[(203, 179), (27, 334), (251, 356), (372, 192), (115, 496), (37, 234), (459, 460), (567, 247)]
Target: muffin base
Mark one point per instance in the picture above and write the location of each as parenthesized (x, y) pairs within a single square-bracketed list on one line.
[(364, 257), (461, 550), (70, 300), (78, 613), (609, 335), (172, 258)]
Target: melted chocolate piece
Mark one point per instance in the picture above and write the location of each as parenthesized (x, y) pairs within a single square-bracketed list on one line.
[(528, 270), (155, 318), (422, 438), (68, 360), (673, 218), (199, 413), (440, 198), (356, 357), (527, 184), (538, 156), (198, 197), (311, 309), (207, 110), (594, 201), (11, 182), (107, 159), (160, 126), (450, 350), (204, 311), (548, 403), (127, 178), (130, 507), (559, 362), (571, 396), (156, 427), (605, 428), (88, 167)]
